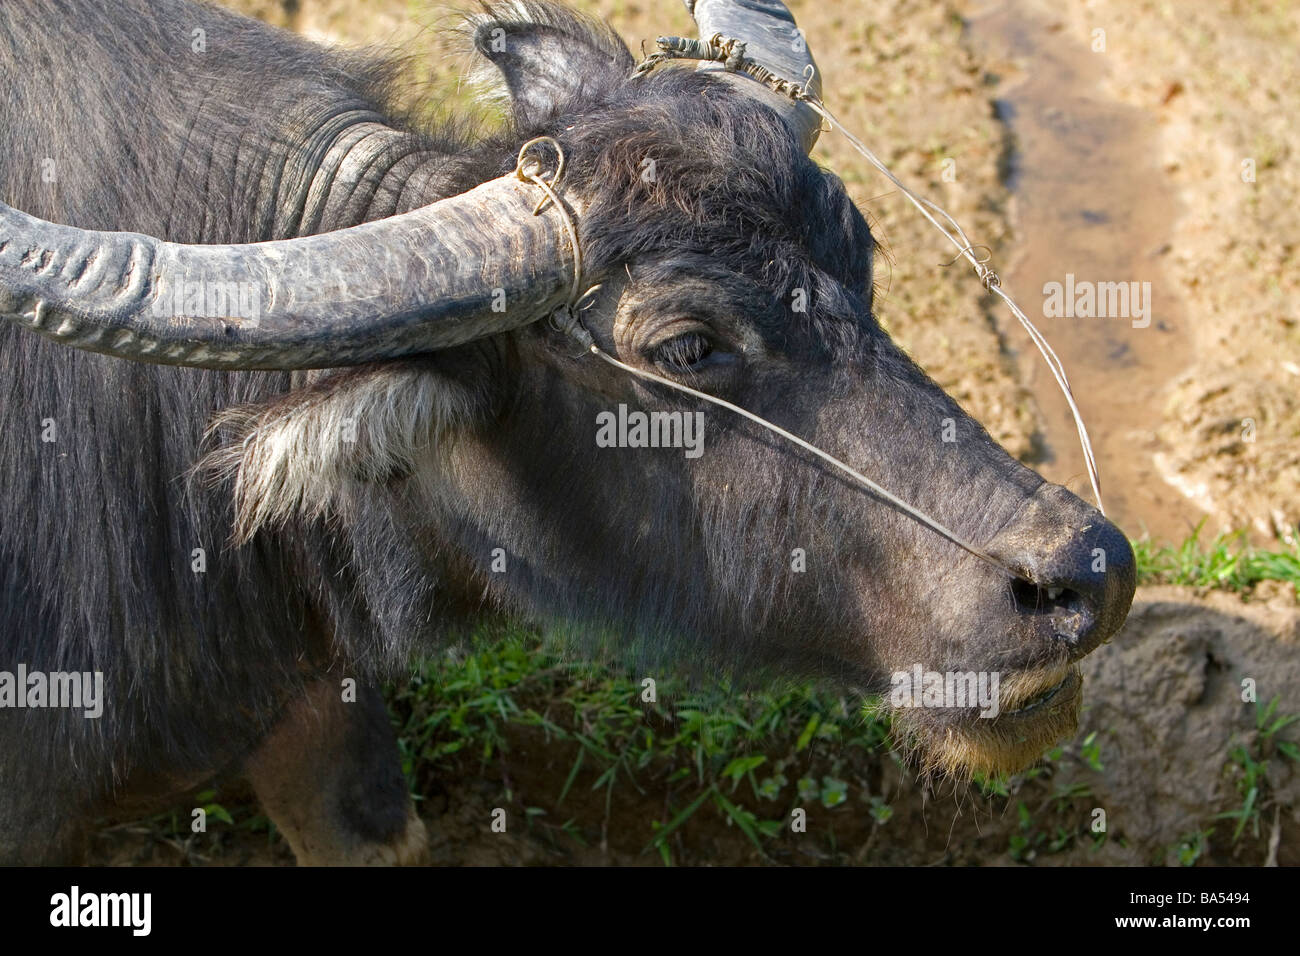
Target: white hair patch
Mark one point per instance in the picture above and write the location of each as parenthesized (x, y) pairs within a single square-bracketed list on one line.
[(298, 454)]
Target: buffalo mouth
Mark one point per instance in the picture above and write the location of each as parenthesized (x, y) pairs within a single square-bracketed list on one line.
[(1037, 709), (1033, 697)]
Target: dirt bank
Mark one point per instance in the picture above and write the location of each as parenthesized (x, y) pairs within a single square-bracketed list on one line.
[(1154, 141)]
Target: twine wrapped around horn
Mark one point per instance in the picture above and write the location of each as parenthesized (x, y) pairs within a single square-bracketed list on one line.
[(771, 38)]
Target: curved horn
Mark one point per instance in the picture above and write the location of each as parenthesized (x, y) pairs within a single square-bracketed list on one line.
[(772, 40), (462, 268)]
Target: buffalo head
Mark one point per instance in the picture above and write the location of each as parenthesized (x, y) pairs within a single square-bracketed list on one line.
[(714, 253)]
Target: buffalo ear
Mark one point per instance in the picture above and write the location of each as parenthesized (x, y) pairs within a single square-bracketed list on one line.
[(549, 57)]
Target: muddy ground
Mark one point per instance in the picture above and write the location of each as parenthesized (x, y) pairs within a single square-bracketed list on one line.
[(1113, 141)]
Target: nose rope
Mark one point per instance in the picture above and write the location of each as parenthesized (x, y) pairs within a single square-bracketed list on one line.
[(853, 473), (730, 53), (989, 279), (567, 319)]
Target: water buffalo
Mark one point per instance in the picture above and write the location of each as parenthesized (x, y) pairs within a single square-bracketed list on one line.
[(236, 474)]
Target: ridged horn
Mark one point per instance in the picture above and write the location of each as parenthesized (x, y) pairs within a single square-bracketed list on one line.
[(466, 267), (772, 40)]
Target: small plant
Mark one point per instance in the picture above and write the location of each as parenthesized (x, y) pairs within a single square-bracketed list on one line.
[(881, 812), (1192, 846), (711, 750), (1249, 764)]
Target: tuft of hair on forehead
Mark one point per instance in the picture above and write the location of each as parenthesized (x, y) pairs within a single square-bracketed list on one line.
[(301, 454), (678, 162)]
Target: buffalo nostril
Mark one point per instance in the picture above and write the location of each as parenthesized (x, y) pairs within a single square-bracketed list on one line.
[(1071, 608), (1031, 598), (1073, 571), (1026, 595), (1068, 613)]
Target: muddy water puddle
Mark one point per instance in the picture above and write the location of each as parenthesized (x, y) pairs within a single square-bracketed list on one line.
[(1090, 213)]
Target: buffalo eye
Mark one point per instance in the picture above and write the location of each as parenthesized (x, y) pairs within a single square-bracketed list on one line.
[(683, 353)]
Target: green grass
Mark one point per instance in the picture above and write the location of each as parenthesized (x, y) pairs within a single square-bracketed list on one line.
[(697, 761), (749, 759), (1252, 768), (1228, 563), (1249, 764)]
